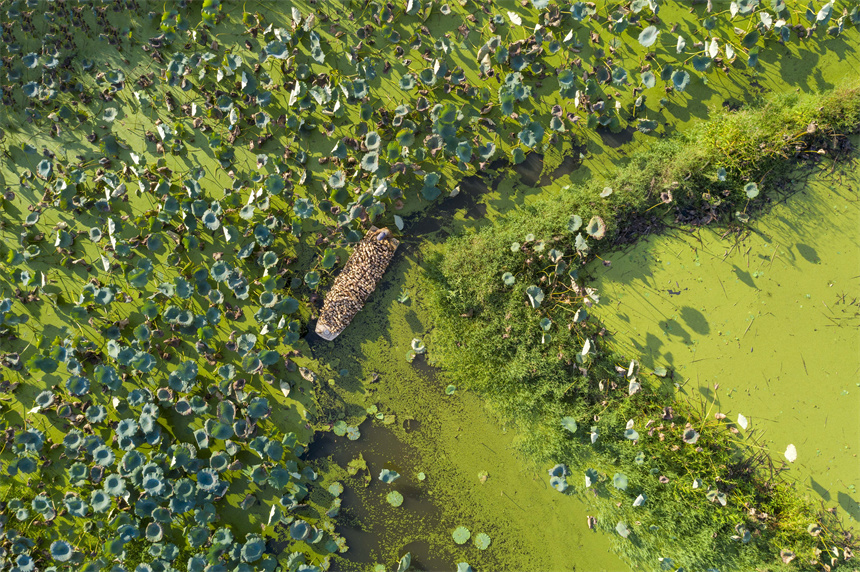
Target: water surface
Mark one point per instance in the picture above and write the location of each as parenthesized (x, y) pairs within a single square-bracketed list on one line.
[(764, 324)]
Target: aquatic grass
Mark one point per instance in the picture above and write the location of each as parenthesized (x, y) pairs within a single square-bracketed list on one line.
[(749, 139), (686, 485)]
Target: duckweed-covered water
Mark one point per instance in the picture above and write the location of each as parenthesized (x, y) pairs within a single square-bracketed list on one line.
[(763, 323), (474, 476)]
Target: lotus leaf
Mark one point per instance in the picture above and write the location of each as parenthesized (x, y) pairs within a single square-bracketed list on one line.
[(558, 483), (461, 535), (394, 498), (569, 423), (535, 295), (648, 36), (596, 228), (300, 530), (253, 548), (681, 79)]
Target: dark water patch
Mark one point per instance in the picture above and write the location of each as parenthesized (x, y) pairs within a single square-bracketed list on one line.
[(422, 547), (426, 369), (497, 164), (367, 521), (567, 166), (616, 140), (410, 425), (421, 224), (471, 189), (312, 338), (530, 169)]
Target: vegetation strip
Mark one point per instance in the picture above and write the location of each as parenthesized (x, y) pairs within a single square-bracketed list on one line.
[(677, 485)]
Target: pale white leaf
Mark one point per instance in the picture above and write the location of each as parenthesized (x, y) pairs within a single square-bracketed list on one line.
[(714, 48), (587, 347)]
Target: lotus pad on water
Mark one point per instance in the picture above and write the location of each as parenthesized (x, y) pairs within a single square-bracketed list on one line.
[(394, 498), (482, 541), (387, 476), (461, 535)]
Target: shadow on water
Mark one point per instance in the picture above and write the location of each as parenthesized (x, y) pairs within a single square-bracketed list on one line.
[(819, 489), (616, 140), (530, 169), (808, 253), (849, 505), (695, 320)]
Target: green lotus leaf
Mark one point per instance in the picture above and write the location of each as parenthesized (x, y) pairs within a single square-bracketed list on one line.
[(535, 295), (681, 79), (394, 498), (569, 423), (461, 535), (407, 82)]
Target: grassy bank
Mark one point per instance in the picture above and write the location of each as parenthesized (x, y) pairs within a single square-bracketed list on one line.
[(680, 486)]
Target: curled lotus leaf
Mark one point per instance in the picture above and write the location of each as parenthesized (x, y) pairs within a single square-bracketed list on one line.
[(596, 228), (535, 294), (691, 436), (61, 551)]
